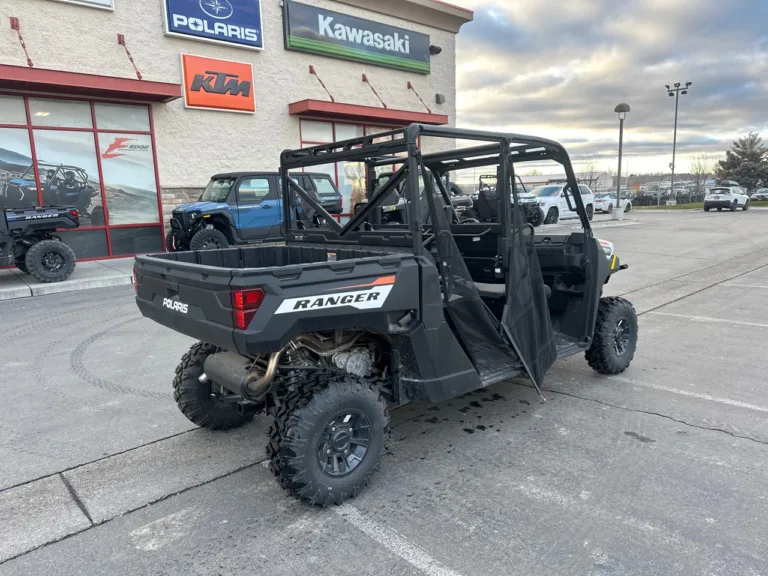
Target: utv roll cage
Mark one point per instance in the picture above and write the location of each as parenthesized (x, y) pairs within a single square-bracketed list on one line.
[(502, 150)]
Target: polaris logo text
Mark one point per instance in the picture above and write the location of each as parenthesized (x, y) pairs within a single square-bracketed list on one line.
[(360, 299), (392, 43), (175, 305), (215, 28)]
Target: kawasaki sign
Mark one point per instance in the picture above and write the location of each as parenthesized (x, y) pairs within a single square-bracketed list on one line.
[(319, 31)]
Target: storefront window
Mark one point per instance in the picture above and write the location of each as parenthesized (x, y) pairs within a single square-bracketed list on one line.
[(140, 240), (69, 173), (12, 110), (119, 215), (349, 132), (17, 174), (316, 132), (122, 117), (86, 243), (129, 178), (60, 113)]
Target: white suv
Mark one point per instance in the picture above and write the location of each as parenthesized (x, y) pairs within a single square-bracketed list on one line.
[(556, 206), (606, 202), (730, 197)]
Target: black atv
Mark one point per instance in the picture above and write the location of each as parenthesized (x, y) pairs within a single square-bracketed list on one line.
[(28, 240), (328, 330)]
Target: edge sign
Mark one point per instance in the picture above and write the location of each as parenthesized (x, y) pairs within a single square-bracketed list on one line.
[(336, 35)]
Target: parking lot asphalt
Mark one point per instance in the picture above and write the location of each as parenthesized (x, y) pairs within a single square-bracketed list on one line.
[(657, 471)]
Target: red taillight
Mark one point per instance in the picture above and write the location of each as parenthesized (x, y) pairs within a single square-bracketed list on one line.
[(245, 304), (74, 213)]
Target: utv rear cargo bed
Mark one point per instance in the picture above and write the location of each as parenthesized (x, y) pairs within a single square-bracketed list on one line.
[(192, 292)]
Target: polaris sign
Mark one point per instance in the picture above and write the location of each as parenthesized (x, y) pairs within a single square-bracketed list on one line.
[(320, 31), (231, 22)]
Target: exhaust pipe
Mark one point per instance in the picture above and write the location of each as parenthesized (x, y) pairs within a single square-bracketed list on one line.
[(233, 371)]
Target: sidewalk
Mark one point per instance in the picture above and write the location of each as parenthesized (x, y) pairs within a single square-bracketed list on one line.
[(95, 274)]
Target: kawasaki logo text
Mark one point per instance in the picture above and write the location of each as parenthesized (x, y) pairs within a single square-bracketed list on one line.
[(392, 43), (221, 83)]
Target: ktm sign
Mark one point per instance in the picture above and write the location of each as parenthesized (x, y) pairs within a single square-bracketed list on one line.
[(217, 84)]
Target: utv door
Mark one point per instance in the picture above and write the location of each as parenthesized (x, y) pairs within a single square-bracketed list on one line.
[(258, 208)]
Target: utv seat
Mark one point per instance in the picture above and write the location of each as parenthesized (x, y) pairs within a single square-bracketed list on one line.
[(499, 291), (487, 205)]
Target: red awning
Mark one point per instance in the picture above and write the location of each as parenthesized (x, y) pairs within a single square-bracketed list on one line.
[(55, 81), (364, 114)]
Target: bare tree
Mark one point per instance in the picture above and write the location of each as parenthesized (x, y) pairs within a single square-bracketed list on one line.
[(591, 174), (701, 168)]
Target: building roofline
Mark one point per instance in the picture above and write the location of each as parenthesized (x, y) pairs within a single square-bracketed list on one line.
[(433, 13)]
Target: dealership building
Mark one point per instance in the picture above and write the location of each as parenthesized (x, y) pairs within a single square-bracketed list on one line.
[(130, 106)]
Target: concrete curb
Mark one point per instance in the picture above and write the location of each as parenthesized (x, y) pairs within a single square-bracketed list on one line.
[(87, 275)]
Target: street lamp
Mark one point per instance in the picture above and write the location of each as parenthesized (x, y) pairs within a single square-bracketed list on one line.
[(676, 91), (621, 110)]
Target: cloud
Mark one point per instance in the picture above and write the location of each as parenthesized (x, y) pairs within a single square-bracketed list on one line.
[(558, 68)]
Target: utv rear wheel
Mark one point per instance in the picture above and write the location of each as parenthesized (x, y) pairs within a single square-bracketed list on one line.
[(208, 239), (202, 402), (552, 216), (97, 216), (328, 439), (50, 261), (615, 339)]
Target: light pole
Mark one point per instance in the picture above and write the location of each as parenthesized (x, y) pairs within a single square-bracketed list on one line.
[(621, 110), (676, 91)]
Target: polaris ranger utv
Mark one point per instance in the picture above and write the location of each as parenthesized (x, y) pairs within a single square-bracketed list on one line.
[(328, 330), (28, 240)]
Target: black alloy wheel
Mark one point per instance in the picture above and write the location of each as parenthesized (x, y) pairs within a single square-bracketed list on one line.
[(344, 442)]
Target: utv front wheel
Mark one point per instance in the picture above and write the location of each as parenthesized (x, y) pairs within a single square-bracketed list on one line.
[(615, 339), (537, 218), (208, 239), (50, 261), (552, 216), (328, 439), (202, 402)]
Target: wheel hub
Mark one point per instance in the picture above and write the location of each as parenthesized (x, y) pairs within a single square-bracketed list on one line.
[(52, 262), (621, 337), (344, 442)]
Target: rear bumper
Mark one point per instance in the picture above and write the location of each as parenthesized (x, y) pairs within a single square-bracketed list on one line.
[(718, 203)]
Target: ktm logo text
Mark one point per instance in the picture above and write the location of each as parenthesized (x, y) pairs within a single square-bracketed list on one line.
[(221, 83)]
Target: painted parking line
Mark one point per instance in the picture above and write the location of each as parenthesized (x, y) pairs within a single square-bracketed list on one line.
[(746, 286), (393, 542), (709, 319), (710, 398)]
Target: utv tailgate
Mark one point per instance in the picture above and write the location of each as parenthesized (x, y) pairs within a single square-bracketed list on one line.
[(191, 292)]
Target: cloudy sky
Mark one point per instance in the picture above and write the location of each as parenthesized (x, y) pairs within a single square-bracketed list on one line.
[(557, 68)]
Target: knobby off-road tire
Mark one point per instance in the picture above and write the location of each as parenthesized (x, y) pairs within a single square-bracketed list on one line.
[(20, 264), (169, 242), (615, 340), (307, 426), (552, 216), (537, 219), (194, 398), (208, 239), (50, 261)]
